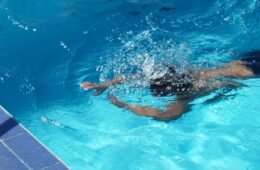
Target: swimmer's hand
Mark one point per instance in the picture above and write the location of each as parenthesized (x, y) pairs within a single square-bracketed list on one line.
[(100, 88)]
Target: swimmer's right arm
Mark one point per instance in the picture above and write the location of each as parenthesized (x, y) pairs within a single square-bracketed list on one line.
[(174, 111), (100, 88)]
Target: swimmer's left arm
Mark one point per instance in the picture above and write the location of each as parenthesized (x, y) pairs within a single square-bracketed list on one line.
[(174, 111), (100, 88)]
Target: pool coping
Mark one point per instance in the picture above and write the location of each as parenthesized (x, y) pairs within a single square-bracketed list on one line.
[(20, 149)]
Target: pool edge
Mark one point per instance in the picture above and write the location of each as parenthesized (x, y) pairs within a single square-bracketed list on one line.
[(37, 144)]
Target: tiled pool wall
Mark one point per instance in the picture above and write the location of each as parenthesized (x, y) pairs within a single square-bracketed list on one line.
[(20, 150)]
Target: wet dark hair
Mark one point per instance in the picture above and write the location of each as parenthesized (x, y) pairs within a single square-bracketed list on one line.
[(172, 83)]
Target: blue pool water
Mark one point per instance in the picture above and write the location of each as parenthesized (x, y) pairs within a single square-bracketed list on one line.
[(48, 47)]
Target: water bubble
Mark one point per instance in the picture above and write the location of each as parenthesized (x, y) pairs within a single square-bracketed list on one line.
[(26, 89), (63, 45), (19, 24), (227, 18)]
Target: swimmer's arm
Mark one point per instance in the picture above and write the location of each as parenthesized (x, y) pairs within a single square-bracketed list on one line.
[(203, 91), (122, 79), (117, 80), (100, 88), (174, 111)]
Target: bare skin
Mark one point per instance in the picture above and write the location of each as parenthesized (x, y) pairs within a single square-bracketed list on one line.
[(100, 88), (235, 69)]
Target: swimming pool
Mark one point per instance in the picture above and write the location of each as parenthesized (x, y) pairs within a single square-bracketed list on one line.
[(48, 47)]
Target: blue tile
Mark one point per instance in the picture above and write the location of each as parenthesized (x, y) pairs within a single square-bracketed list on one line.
[(31, 151), (9, 161), (58, 166), (9, 128)]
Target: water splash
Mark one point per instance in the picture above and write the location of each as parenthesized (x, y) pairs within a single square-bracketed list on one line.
[(145, 54), (141, 57)]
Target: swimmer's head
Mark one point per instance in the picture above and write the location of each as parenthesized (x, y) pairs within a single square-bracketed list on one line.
[(171, 84)]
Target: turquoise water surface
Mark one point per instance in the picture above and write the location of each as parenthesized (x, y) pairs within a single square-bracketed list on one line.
[(47, 48)]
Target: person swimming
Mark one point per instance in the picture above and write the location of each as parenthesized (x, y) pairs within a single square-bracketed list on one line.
[(186, 86)]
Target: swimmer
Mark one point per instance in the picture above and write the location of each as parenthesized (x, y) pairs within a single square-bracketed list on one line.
[(186, 86)]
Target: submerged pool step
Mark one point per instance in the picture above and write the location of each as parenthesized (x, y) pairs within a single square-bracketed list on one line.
[(20, 150)]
